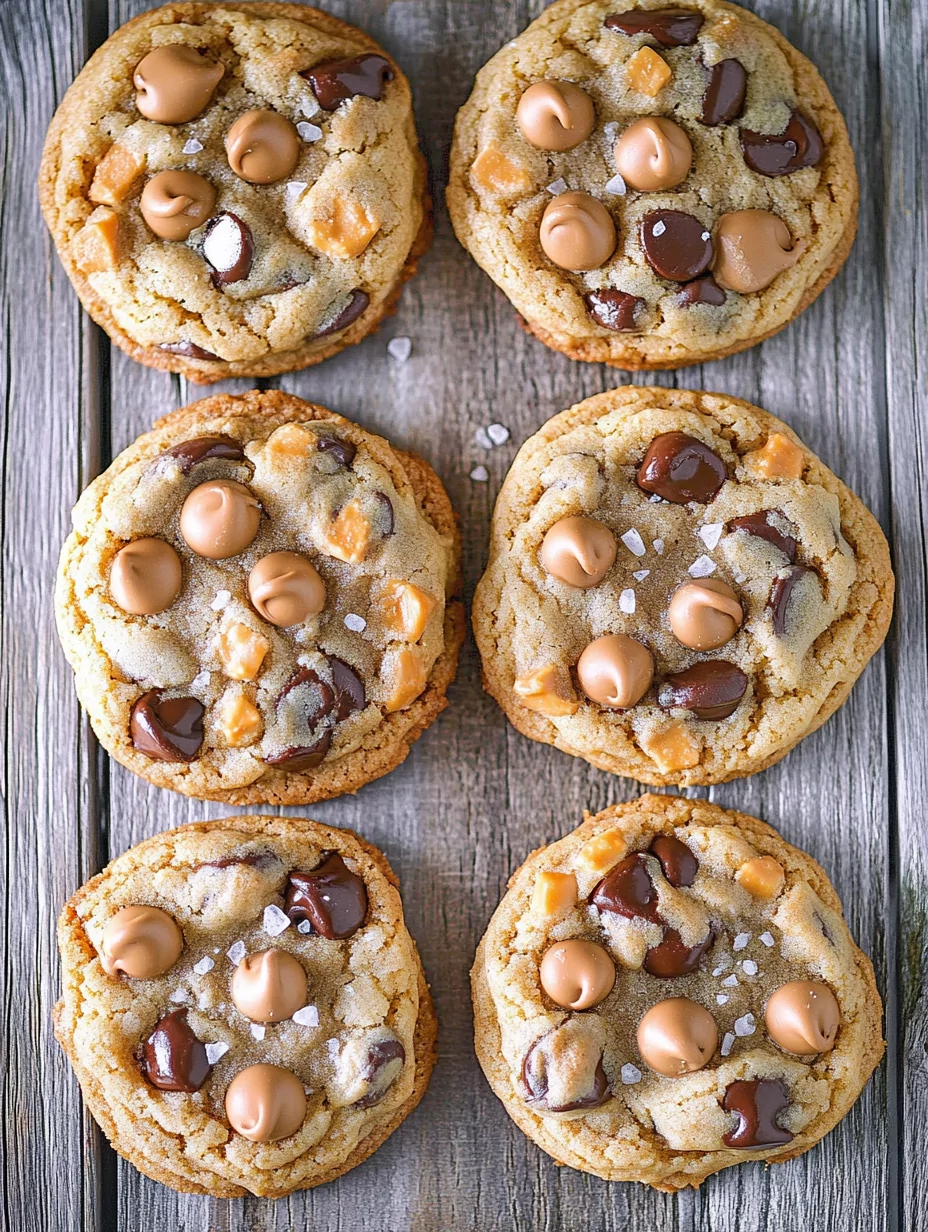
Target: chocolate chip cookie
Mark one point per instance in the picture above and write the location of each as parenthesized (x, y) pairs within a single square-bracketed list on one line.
[(672, 989), (259, 602), (678, 590), (236, 189), (243, 1006), (653, 186)]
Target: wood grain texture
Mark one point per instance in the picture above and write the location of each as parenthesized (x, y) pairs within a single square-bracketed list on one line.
[(474, 797)]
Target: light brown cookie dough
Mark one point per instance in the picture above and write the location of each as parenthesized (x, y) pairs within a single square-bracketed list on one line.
[(669, 990), (236, 189), (653, 186), (220, 947), (737, 613), (295, 580)]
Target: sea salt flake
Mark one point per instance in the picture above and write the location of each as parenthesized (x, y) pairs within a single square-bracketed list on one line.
[(610, 130), (333, 1047), (498, 433), (258, 1030), (204, 965), (705, 234), (741, 941), (309, 132), (216, 1050), (309, 105), (655, 499), (658, 228), (616, 186), (640, 574), (295, 189), (658, 546), (767, 939), (356, 623), (630, 1075), (223, 597), (178, 995), (400, 348), (480, 474), (749, 966), (711, 533), (192, 146), (304, 927), (721, 998), (727, 1043), (634, 542), (236, 951), (745, 1025), (200, 681), (275, 920), (702, 567), (719, 971), (730, 981), (556, 187), (741, 577), (481, 438), (308, 1016), (627, 602)]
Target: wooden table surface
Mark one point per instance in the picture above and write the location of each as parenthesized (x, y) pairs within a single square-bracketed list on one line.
[(475, 797)]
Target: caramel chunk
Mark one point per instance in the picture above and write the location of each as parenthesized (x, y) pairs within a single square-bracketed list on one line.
[(239, 720), (405, 609), (671, 749), (647, 72), (348, 535), (409, 678), (292, 441), (548, 691), (345, 231), (495, 172), (601, 853), (763, 877), (98, 243), (778, 458), (241, 651), (554, 894), (115, 176)]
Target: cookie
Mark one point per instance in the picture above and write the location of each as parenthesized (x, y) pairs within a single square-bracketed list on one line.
[(677, 590), (243, 1006), (670, 990), (236, 189), (653, 186), (259, 602)]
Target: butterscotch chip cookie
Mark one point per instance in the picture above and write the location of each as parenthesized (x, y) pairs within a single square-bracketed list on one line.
[(243, 1006), (653, 186), (678, 590), (236, 189), (259, 602), (672, 989)]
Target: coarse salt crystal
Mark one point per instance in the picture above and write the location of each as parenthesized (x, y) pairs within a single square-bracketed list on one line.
[(727, 1043), (178, 995), (721, 998), (308, 1016), (745, 1025), (705, 234), (741, 941), (216, 1050), (627, 602), (749, 966), (556, 187), (309, 132), (258, 1030), (333, 1046), (295, 189), (616, 186), (767, 939), (658, 546), (480, 474), (634, 542), (658, 228), (702, 567), (236, 951), (655, 499), (309, 105), (304, 927), (275, 920), (200, 681), (741, 577), (630, 1075), (730, 981), (482, 438), (498, 433), (610, 129), (711, 533), (222, 598), (719, 971), (641, 574), (356, 623), (192, 146), (204, 965), (400, 348)]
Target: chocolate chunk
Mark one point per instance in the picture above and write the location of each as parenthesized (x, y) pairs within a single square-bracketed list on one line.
[(173, 1059), (357, 302), (709, 690), (228, 247), (676, 245), (680, 468), (381, 1070), (342, 451), (387, 516), (672, 958), (254, 861), (781, 593), (678, 862), (333, 81), (628, 890), (169, 729), (331, 897), (318, 703), (799, 146), (758, 525), (190, 349), (703, 290), (348, 689), (757, 1103), (723, 100), (668, 27), (303, 757), (188, 453), (536, 1080), (614, 310)]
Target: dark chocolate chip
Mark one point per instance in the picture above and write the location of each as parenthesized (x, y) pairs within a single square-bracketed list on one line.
[(703, 290), (672, 958), (680, 468), (317, 703), (357, 302), (709, 690), (188, 453), (173, 1059), (333, 81), (168, 729), (723, 100), (387, 517), (758, 525), (614, 310), (348, 688), (304, 756), (676, 245), (535, 1078), (799, 146), (757, 1103), (228, 248), (255, 861), (331, 897), (668, 27), (381, 1070), (342, 451), (628, 890), (679, 864), (781, 594), (190, 349)]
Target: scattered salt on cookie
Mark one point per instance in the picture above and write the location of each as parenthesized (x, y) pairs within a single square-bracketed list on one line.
[(745, 1025), (275, 920), (308, 1016), (481, 438), (616, 186), (741, 941), (658, 546), (205, 964), (309, 132), (222, 599), (480, 474), (498, 433), (634, 542), (309, 105), (304, 927), (640, 574), (627, 602), (333, 1047), (178, 995), (216, 1050), (356, 623), (400, 349), (767, 939), (721, 998), (711, 533), (295, 189), (702, 567), (659, 228), (258, 1030), (749, 966), (730, 981), (192, 146), (201, 680), (727, 1044), (630, 1074), (236, 951), (556, 187)]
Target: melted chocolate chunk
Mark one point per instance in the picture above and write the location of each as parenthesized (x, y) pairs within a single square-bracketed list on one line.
[(628, 890), (190, 349), (331, 897), (672, 958), (757, 1104), (255, 861), (614, 310), (357, 302), (229, 248), (781, 594), (676, 245), (381, 1070), (387, 516), (167, 730), (334, 81), (680, 468), (799, 146), (668, 27), (173, 1059), (712, 689), (348, 689), (318, 703), (188, 453), (703, 290), (342, 451), (679, 864), (723, 100), (304, 756), (758, 525), (537, 1084)]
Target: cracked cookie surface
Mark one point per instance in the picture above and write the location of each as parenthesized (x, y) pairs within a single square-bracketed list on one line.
[(299, 658), (626, 1085), (596, 666), (293, 134)]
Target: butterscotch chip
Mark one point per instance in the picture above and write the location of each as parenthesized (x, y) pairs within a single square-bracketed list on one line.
[(496, 173), (761, 876), (345, 232), (97, 246), (647, 72), (241, 651), (671, 748), (602, 851), (554, 894), (778, 458), (406, 609), (116, 175), (239, 719), (348, 535), (405, 670), (547, 691)]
